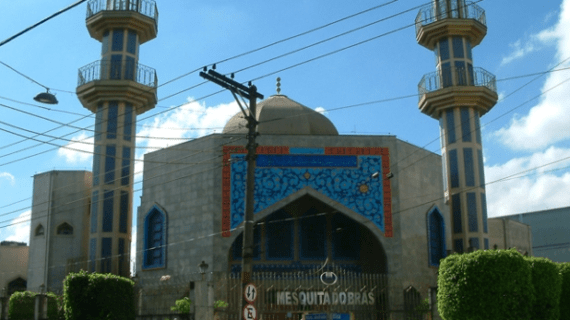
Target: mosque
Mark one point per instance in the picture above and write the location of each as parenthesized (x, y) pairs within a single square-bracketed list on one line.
[(342, 223)]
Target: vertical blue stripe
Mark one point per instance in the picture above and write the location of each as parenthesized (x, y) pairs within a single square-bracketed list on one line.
[(108, 211), (96, 165), (453, 169), (110, 155), (132, 42), (468, 165), (484, 211), (486, 243), (92, 255), (123, 211), (94, 210), (474, 242), (121, 255), (477, 127), (128, 123), (472, 211), (450, 119), (106, 244), (458, 244), (125, 166), (465, 125), (458, 51), (112, 114), (98, 122), (481, 168), (456, 210), (117, 40), (444, 49)]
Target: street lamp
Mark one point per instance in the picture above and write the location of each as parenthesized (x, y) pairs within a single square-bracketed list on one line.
[(203, 267), (46, 97)]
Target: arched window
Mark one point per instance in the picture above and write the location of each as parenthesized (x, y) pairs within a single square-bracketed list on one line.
[(155, 239), (64, 229), (39, 230), (436, 237), (18, 284)]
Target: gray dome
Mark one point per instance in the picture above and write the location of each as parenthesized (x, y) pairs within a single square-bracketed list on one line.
[(280, 115)]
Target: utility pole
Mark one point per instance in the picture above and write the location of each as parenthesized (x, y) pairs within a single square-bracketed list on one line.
[(252, 95)]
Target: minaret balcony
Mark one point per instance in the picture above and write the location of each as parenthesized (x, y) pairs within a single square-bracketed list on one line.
[(434, 22), (457, 87), (138, 15), (106, 80)]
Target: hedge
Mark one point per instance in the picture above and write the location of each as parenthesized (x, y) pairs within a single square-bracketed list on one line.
[(94, 296), (564, 269), (547, 283), (22, 306), (485, 285)]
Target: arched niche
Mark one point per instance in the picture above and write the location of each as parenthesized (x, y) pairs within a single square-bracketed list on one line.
[(64, 229), (307, 232)]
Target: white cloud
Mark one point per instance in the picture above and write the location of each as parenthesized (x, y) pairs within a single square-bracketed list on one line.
[(80, 149), (8, 176), (192, 120), (548, 121), (20, 229), (535, 190), (520, 50)]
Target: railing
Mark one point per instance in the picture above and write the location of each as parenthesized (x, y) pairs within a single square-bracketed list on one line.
[(144, 7), (448, 77), (433, 13), (118, 70)]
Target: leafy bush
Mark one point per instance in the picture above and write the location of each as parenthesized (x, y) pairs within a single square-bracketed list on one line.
[(22, 306), (182, 305), (485, 285), (95, 296), (564, 269), (220, 304), (547, 283)]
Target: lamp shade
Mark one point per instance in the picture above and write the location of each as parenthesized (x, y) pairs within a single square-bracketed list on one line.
[(46, 97)]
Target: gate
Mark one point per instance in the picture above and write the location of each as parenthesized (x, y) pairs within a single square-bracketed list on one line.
[(290, 295)]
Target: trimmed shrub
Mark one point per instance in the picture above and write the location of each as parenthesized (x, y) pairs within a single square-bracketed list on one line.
[(22, 306), (485, 285), (95, 296), (547, 283), (564, 269)]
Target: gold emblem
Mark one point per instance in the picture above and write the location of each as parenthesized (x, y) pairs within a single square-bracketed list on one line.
[(363, 188), (307, 175)]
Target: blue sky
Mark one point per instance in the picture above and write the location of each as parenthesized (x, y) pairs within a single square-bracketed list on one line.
[(523, 135)]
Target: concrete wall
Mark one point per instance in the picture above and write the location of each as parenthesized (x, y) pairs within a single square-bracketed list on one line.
[(59, 196), (13, 264), (506, 233), (189, 189)]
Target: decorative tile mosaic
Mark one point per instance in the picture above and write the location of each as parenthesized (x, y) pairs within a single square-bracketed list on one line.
[(341, 174)]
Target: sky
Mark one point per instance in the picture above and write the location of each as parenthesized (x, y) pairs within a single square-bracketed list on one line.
[(364, 81)]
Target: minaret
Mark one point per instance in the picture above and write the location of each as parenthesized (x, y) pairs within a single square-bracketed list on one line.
[(117, 89), (457, 95)]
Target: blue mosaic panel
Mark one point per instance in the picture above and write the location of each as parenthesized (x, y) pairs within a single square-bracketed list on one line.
[(320, 161), (472, 212), (458, 245), (345, 179)]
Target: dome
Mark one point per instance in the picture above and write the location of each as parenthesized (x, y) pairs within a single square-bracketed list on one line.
[(280, 115)]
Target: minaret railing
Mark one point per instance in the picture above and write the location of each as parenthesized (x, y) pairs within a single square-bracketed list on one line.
[(430, 15), (144, 7), (118, 70), (448, 77)]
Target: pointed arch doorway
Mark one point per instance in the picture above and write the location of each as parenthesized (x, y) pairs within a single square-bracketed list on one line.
[(297, 243)]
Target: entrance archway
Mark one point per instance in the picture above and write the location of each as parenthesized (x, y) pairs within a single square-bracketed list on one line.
[(298, 243)]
